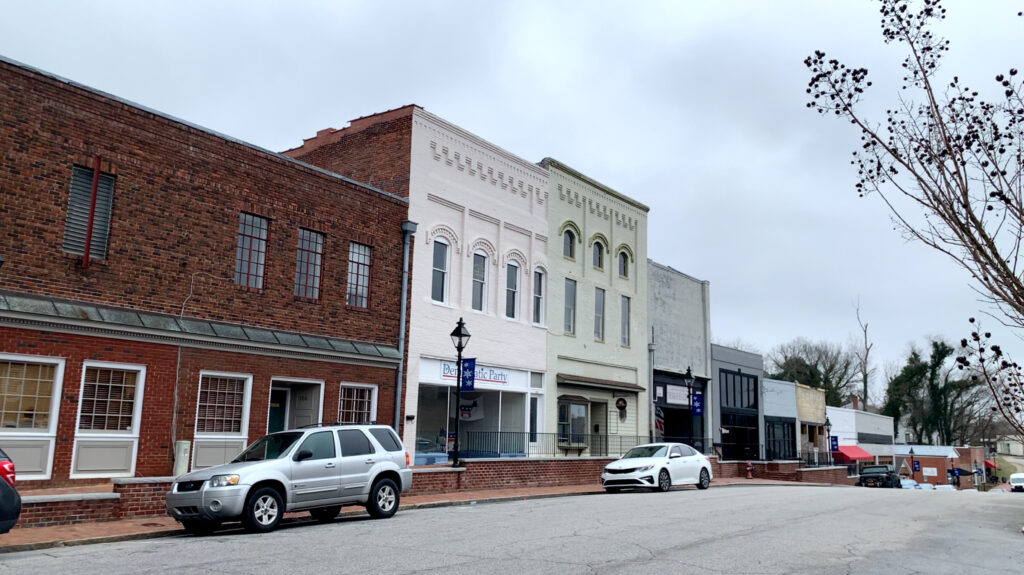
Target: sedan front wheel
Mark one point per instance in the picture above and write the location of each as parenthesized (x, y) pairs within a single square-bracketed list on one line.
[(664, 481)]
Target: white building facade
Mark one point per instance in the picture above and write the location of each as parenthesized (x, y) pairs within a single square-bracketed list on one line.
[(598, 370)]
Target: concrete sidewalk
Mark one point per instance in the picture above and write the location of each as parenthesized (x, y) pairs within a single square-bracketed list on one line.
[(28, 539)]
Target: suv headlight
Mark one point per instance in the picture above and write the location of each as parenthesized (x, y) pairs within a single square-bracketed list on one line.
[(223, 480)]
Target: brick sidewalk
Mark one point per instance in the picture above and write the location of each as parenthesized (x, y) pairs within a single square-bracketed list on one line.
[(161, 526)]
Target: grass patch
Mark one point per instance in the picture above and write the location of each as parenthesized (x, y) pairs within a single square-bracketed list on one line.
[(1005, 467)]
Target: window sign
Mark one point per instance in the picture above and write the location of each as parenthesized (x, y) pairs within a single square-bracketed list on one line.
[(677, 394), (931, 472), (481, 373)]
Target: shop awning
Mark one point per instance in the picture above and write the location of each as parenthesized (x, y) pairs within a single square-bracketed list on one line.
[(854, 453), (989, 464), (593, 382)]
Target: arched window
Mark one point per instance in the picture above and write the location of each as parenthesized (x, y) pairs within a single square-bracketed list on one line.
[(512, 291), (569, 244), (624, 264), (599, 255), (439, 283), (479, 281)]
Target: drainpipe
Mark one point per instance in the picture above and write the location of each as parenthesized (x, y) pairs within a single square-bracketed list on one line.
[(408, 229)]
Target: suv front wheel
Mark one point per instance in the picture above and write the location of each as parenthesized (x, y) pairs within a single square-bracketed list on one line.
[(263, 509), (383, 502)]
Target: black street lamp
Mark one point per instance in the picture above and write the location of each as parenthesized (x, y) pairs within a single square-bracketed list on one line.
[(828, 439), (688, 382), (460, 337), (912, 476)]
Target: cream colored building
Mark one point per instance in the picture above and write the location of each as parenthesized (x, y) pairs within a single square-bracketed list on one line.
[(810, 409), (597, 362)]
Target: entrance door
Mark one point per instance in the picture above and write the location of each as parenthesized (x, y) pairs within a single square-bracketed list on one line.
[(304, 408), (599, 419), (278, 417)]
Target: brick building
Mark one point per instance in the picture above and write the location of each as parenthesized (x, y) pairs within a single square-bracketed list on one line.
[(161, 283)]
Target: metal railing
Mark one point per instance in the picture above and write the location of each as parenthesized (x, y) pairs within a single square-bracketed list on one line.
[(819, 459), (480, 444)]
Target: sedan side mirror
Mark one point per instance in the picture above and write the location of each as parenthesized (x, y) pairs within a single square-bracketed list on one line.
[(303, 454), (674, 455)]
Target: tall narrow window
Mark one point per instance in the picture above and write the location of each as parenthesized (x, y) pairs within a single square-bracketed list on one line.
[(439, 285), (250, 258), (599, 314), (512, 291), (598, 255), (538, 297), (625, 320), (76, 227), (308, 262), (479, 281), (358, 275), (570, 306), (623, 264), (569, 244)]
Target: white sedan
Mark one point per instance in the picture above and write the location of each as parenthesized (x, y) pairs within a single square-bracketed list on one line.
[(658, 466)]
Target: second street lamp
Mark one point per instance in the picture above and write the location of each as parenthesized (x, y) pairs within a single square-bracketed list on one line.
[(460, 337)]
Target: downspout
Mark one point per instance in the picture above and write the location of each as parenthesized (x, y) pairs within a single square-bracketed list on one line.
[(92, 211), (408, 229)]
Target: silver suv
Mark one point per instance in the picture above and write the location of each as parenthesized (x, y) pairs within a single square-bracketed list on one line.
[(316, 469)]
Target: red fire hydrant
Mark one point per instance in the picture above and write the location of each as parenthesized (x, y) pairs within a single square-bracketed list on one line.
[(750, 470)]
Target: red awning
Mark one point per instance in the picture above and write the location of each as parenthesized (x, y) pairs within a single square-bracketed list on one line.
[(989, 464), (854, 453)]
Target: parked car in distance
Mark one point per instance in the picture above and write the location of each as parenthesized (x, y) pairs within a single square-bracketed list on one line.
[(878, 476), (998, 490), (926, 486), (658, 466), (317, 469), (907, 483), (945, 488), (10, 499), (1017, 481)]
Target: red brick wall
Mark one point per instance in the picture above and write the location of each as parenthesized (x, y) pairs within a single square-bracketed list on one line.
[(67, 512), (376, 149), (177, 200), (156, 449), (142, 499)]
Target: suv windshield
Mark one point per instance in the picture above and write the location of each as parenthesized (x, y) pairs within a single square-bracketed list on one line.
[(646, 451), (874, 469), (269, 447)]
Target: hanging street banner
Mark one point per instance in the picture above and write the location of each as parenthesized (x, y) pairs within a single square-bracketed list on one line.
[(468, 373), (698, 404), (834, 442), (917, 465)]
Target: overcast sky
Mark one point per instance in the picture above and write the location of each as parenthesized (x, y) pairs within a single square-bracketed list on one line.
[(693, 108)]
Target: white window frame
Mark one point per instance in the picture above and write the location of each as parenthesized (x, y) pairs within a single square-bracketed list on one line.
[(373, 397), (484, 282), (626, 315), (447, 271), (88, 434), (512, 271), (600, 299), (49, 434), (539, 299), (575, 305), (246, 406)]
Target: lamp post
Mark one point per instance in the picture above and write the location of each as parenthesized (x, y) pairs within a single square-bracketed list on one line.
[(912, 476), (460, 337), (650, 361), (688, 382), (828, 439)]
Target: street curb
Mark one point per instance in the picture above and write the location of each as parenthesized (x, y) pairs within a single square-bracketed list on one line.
[(293, 520)]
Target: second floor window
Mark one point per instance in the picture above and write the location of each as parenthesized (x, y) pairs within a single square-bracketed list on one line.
[(599, 314), (512, 291), (358, 275), (623, 264), (598, 255), (625, 320), (538, 297), (308, 263), (250, 259), (76, 228), (570, 306), (439, 280), (479, 282), (569, 244)]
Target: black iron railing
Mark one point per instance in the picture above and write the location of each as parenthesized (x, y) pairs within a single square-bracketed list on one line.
[(822, 458)]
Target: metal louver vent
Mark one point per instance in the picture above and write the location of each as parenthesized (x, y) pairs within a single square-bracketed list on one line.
[(78, 213)]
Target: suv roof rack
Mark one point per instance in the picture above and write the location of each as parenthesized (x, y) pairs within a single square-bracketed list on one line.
[(334, 424)]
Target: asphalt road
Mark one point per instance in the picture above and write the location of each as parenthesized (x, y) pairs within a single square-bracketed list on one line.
[(755, 529)]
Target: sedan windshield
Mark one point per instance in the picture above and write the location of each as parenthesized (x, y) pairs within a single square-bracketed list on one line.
[(646, 451), (269, 447)]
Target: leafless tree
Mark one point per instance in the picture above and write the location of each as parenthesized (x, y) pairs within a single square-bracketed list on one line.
[(948, 154), (862, 353)]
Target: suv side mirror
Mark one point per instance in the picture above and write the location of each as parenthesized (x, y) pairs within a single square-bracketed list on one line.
[(303, 455)]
